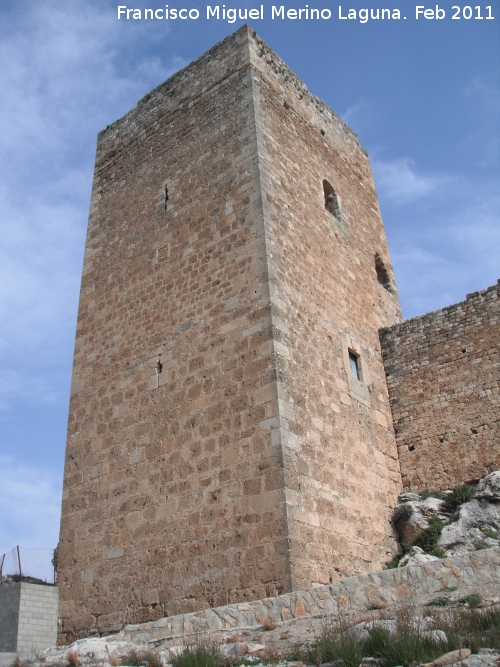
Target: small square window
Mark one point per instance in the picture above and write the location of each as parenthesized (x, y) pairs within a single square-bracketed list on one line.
[(354, 365), (356, 368)]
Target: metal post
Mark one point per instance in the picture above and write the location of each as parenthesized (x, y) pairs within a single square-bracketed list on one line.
[(1, 569), (19, 561)]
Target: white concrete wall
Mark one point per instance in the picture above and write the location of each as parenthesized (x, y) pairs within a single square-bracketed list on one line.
[(9, 612), (28, 617)]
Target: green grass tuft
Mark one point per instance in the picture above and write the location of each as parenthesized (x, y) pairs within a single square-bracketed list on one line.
[(201, 653), (394, 562), (440, 602), (472, 600), (337, 643), (409, 644), (142, 659), (459, 496), (490, 533), (428, 539)]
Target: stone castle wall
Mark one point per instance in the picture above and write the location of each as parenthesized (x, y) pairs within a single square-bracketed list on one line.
[(339, 457), (443, 379), (254, 463), (235, 237), (173, 496)]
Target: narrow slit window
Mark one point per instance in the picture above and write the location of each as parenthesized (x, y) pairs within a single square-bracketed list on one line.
[(354, 365), (332, 201), (166, 198), (158, 370)]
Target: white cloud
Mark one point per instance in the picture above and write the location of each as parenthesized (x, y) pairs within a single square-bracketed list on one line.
[(400, 182), (30, 506), (361, 115), (449, 248), (63, 83)]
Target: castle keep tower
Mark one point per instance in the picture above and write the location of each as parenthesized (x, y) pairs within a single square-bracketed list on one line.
[(230, 434)]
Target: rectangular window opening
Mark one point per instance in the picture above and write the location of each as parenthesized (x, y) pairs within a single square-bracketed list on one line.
[(355, 365)]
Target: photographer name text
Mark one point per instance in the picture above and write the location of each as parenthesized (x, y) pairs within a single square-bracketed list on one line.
[(306, 13)]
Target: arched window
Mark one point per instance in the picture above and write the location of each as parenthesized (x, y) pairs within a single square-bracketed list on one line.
[(332, 200)]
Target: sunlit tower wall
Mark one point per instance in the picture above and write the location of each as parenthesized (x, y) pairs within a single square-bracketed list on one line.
[(230, 434)]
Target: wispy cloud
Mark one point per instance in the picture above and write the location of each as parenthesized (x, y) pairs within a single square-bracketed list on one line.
[(30, 503), (63, 84), (401, 182), (444, 227), (444, 233), (361, 115), (430, 278)]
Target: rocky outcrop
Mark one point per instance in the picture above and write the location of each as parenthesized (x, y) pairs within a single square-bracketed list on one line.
[(456, 528), (478, 522), (489, 488), (411, 516), (416, 556)]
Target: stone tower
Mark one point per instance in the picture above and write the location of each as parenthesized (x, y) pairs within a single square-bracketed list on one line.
[(230, 433)]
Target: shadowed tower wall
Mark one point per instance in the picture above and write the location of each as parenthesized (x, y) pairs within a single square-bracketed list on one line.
[(254, 462)]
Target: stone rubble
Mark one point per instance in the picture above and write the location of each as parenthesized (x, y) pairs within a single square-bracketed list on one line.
[(466, 534), (450, 658), (489, 488), (421, 509)]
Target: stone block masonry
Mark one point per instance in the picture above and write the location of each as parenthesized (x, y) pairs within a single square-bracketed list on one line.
[(230, 434), (443, 372), (324, 233), (28, 617), (477, 572)]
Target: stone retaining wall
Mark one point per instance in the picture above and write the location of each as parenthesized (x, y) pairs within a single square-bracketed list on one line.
[(475, 572)]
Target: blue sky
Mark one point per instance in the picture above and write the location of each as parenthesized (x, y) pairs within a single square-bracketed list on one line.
[(423, 95)]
